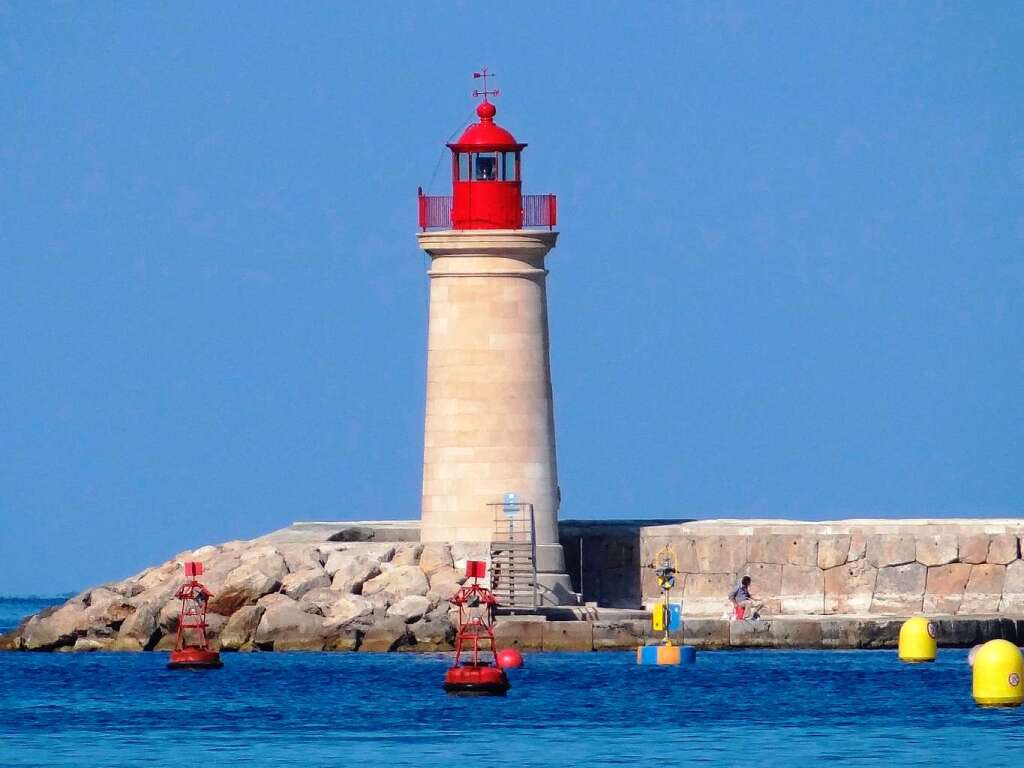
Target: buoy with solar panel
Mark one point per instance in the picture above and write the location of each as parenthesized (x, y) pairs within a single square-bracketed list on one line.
[(666, 617)]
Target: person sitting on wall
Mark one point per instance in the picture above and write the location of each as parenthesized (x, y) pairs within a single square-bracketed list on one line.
[(741, 597)]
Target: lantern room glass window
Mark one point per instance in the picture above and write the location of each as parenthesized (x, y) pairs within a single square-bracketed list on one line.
[(508, 166), (485, 165)]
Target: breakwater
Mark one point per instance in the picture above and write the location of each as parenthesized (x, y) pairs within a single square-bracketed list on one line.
[(373, 587)]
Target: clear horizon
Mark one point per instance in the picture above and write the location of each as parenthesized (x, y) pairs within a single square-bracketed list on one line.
[(788, 281)]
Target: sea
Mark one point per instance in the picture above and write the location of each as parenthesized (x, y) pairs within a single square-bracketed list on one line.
[(731, 708)]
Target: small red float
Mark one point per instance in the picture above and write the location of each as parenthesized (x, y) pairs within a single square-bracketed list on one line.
[(510, 658), (475, 675), (194, 599)]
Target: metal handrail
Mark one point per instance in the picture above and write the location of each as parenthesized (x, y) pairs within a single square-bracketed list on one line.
[(435, 211), (516, 528)]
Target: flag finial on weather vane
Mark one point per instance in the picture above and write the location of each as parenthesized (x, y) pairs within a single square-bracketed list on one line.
[(485, 93)]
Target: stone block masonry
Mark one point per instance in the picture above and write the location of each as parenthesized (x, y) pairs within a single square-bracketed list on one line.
[(851, 567)]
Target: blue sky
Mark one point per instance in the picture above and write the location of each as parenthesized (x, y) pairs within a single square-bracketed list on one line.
[(789, 280)]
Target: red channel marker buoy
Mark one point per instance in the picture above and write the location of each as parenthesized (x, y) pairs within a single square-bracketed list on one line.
[(475, 674), (510, 658), (194, 599)]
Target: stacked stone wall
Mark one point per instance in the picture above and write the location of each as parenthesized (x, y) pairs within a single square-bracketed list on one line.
[(896, 568)]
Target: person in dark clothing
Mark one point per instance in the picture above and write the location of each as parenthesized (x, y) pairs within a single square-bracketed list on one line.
[(741, 596)]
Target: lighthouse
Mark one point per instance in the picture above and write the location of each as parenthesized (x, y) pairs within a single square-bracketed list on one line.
[(489, 471)]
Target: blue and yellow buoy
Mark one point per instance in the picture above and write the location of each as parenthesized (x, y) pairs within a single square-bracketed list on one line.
[(666, 617), (998, 669), (917, 640), (666, 654)]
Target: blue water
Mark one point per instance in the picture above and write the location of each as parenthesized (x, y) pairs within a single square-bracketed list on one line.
[(14, 609), (762, 708)]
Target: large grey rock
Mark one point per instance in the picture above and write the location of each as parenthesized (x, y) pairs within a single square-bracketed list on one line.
[(139, 631), (984, 590), (246, 584), (409, 609), (159, 575), (240, 632), (407, 554), (53, 628), (266, 559), (107, 609), (298, 583), (387, 635), (347, 610), (936, 549), (91, 643), (352, 573), (889, 550), (434, 557), (300, 557), (899, 589), (336, 559), (276, 598), (397, 583), (445, 582), (432, 634), (288, 627)]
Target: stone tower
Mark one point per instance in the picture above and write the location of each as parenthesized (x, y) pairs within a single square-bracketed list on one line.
[(489, 418)]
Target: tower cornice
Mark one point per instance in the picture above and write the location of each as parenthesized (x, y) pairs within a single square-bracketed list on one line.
[(525, 243)]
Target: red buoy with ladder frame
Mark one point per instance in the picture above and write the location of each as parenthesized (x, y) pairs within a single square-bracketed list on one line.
[(473, 672), (192, 620)]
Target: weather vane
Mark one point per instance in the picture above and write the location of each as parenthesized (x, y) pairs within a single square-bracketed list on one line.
[(485, 93)]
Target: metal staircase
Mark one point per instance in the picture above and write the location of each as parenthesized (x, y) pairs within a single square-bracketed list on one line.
[(514, 555)]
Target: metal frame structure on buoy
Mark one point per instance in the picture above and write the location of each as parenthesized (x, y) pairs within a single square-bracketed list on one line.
[(666, 617), (475, 674), (195, 598)]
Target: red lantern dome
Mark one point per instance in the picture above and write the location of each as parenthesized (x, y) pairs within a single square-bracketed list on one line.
[(486, 180), (486, 188)]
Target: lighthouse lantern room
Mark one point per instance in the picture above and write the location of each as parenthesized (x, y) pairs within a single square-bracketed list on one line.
[(486, 180)]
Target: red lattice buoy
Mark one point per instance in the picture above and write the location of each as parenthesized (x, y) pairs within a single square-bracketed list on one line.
[(475, 674), (194, 599)]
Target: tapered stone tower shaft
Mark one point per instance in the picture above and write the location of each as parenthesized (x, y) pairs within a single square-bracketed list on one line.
[(490, 418)]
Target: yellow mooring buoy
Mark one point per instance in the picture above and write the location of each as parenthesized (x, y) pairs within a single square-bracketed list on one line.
[(917, 640), (998, 668)]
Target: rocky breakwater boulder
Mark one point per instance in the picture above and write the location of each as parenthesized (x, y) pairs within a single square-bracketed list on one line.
[(267, 595)]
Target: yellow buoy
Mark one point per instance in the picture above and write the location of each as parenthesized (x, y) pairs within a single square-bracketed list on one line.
[(917, 640), (998, 668)]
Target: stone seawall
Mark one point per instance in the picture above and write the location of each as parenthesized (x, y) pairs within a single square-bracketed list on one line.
[(374, 587), (861, 567)]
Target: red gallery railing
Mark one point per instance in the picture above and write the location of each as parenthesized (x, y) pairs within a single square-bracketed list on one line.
[(435, 211)]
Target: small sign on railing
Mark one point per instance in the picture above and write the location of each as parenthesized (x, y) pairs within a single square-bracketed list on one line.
[(510, 505)]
